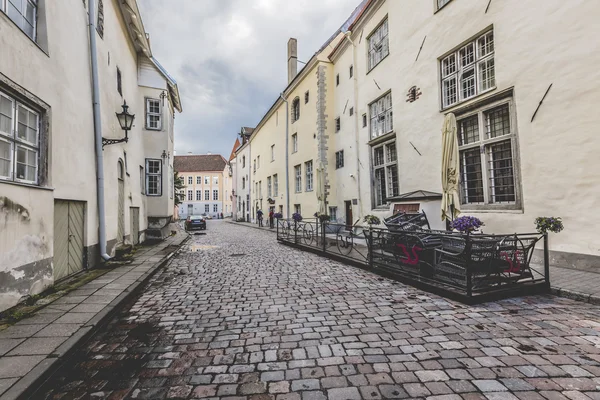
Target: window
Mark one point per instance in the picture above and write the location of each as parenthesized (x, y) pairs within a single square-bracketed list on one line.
[(381, 116), (295, 110), (215, 194), (198, 195), (294, 143), (338, 124), (468, 71), (337, 80), (19, 141), (306, 97), (215, 208), (308, 166), (364, 120), (351, 71), (206, 195), (198, 180), (142, 180), (244, 162), (275, 186), (351, 111), (215, 180), (272, 152), (207, 180), (385, 172), (339, 159), (243, 183), (298, 209), (190, 180), (257, 162), (254, 165), (153, 114), (100, 21), (298, 176), (190, 195), (260, 189), (119, 84), (23, 13), (333, 213), (207, 208), (442, 3), (486, 141), (269, 188), (379, 46), (154, 177)]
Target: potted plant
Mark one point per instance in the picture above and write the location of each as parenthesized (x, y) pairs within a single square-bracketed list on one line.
[(322, 217), (278, 215), (371, 220), (466, 224), (549, 224)]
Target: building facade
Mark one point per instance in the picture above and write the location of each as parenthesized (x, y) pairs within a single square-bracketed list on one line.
[(402, 67), (205, 179), (242, 172), (59, 215)]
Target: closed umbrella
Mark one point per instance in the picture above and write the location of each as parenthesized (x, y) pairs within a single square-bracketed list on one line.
[(450, 169), (321, 188)]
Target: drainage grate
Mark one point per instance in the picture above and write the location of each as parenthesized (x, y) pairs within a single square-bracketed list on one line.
[(237, 255)]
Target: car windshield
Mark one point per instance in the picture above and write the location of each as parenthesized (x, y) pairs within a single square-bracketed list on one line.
[(195, 217)]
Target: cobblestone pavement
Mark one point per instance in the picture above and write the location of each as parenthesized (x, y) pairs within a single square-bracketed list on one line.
[(236, 316)]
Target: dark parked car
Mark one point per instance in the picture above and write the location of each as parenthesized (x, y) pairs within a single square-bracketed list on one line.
[(195, 222)]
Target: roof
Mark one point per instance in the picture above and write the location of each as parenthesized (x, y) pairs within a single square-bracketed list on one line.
[(199, 163), (416, 195), (236, 145), (172, 84)]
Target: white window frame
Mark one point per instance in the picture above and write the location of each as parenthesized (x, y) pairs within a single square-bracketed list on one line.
[(308, 167), (339, 159), (207, 208), (190, 180), (483, 147), (295, 109), (198, 195), (158, 176), (389, 161), (382, 116), (294, 143), (216, 194), (198, 180), (272, 152), (333, 213), (215, 180), (190, 195), (207, 180), (468, 71), (275, 185), (206, 194), (298, 177), (215, 208), (150, 114), (378, 45), (269, 187), (22, 19)]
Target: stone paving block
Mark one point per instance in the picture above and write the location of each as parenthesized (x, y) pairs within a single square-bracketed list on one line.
[(56, 329), (18, 366), (350, 393), (37, 346)]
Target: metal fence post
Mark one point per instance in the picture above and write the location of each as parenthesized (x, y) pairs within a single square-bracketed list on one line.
[(323, 236), (546, 260), (295, 232), (468, 267), (370, 247)]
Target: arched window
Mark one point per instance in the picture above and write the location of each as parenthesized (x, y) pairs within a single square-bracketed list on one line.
[(296, 109), (120, 169)]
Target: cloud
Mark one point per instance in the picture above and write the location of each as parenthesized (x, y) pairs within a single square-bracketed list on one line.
[(229, 58)]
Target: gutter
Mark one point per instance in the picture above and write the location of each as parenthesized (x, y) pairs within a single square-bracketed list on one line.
[(97, 134), (287, 153)]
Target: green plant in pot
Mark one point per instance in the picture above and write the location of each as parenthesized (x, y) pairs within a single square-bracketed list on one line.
[(371, 220)]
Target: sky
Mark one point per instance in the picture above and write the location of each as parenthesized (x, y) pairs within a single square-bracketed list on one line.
[(229, 58)]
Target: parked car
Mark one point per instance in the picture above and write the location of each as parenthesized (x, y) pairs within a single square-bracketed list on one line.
[(195, 222), (207, 216)]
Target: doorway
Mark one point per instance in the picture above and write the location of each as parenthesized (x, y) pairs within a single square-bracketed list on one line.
[(348, 206), (190, 210), (69, 222), (135, 225)]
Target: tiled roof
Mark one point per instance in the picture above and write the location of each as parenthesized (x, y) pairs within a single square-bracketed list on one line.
[(198, 163), (236, 145)]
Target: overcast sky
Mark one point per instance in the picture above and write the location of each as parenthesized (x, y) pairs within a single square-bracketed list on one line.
[(229, 58)]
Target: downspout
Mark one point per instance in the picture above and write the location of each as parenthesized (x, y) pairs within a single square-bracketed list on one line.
[(98, 134), (287, 152), (356, 124)]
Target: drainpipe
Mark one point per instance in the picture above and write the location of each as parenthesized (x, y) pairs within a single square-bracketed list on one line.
[(356, 124), (98, 134), (287, 152)]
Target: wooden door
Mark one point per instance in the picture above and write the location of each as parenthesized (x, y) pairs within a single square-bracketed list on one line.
[(69, 224), (348, 215), (135, 225)]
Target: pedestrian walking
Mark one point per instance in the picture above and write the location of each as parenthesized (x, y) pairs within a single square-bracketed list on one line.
[(271, 213), (259, 215)]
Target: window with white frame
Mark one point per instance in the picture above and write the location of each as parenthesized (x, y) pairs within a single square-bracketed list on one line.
[(215, 180), (198, 180), (486, 142), (295, 109), (382, 120), (379, 45), (308, 166), (468, 71), (243, 161), (294, 142), (385, 171), (275, 185), (298, 177), (190, 180), (257, 162), (190, 195), (142, 178), (215, 194), (23, 13), (154, 178), (333, 213), (243, 183), (339, 159), (100, 20), (207, 180), (19, 141), (198, 195), (260, 189), (215, 208), (269, 187), (272, 152), (298, 209), (207, 208), (153, 114)]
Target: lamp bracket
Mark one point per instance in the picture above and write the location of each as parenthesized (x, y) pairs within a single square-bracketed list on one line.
[(106, 142)]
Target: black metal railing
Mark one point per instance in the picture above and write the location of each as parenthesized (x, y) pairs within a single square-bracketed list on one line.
[(470, 267)]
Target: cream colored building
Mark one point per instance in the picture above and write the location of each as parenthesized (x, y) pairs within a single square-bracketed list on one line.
[(207, 183), (527, 148), (241, 174), (49, 193)]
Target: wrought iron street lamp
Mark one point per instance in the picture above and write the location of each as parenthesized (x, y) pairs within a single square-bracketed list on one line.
[(125, 121)]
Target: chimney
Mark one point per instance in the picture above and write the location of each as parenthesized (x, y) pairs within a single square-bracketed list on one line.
[(292, 55)]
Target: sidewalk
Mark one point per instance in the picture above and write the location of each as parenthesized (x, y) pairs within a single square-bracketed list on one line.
[(255, 226), (37, 345)]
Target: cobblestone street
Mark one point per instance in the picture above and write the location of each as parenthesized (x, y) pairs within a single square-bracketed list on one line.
[(237, 316)]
